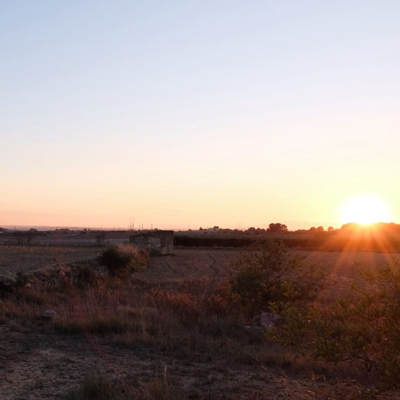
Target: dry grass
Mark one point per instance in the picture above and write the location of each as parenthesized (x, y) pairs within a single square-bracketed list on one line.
[(196, 319), (187, 319), (193, 320)]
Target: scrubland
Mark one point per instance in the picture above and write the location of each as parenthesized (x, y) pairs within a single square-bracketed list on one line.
[(182, 327)]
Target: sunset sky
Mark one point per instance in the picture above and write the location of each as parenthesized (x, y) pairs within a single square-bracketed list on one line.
[(186, 113)]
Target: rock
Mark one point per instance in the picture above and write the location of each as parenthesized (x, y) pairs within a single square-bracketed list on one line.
[(268, 320), (49, 315)]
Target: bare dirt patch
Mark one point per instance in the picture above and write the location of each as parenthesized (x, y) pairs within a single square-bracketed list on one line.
[(15, 258)]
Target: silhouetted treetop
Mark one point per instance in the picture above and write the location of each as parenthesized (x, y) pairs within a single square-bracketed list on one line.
[(277, 228)]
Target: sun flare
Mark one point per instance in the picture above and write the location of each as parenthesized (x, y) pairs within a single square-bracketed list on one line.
[(365, 210)]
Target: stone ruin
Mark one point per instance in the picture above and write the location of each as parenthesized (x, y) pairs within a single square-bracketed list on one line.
[(157, 241)]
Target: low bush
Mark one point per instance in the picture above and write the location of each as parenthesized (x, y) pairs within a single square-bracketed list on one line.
[(122, 259), (363, 328), (86, 276), (22, 278), (269, 277)]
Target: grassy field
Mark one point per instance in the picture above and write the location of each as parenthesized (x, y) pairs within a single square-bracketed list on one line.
[(168, 331)]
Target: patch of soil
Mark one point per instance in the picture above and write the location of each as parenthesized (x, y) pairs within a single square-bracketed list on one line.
[(46, 366), (15, 258)]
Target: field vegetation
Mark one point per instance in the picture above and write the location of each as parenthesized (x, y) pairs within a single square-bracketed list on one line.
[(344, 346)]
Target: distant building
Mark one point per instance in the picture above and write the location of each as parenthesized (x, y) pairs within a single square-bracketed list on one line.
[(159, 241)]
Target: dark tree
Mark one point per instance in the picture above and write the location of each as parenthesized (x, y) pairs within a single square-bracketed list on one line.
[(277, 228)]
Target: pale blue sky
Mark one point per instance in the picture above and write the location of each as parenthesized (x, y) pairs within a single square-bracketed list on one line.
[(189, 113)]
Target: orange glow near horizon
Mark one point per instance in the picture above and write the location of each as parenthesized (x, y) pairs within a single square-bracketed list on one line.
[(365, 210)]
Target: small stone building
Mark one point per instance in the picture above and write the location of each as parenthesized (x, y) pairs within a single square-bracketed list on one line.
[(160, 241)]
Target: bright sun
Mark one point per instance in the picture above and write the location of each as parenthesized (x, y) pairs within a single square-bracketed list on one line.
[(365, 210)]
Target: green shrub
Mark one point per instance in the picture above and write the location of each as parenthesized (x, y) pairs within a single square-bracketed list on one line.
[(362, 328), (269, 276), (122, 259), (22, 278)]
